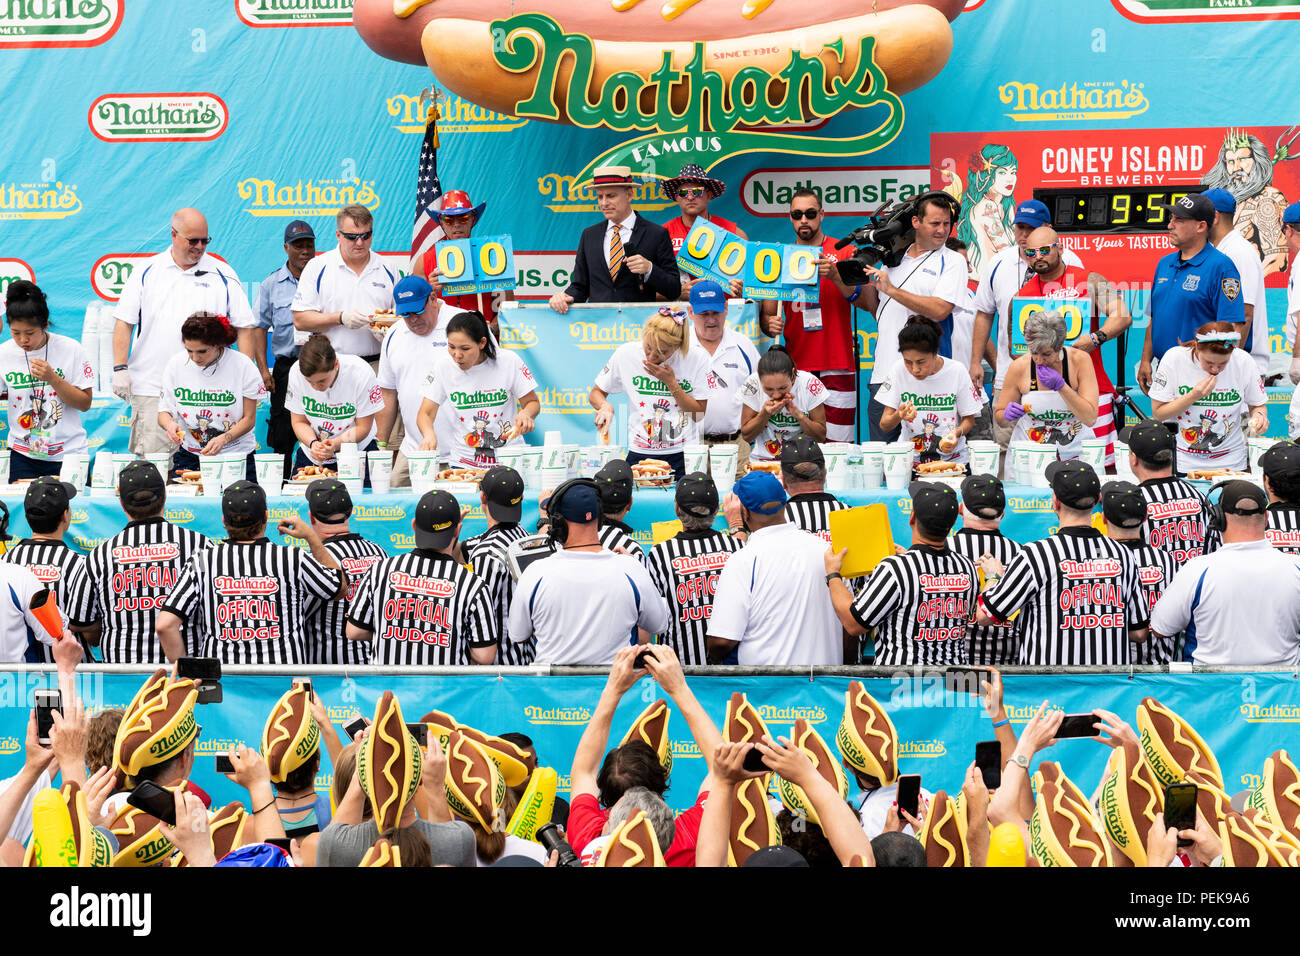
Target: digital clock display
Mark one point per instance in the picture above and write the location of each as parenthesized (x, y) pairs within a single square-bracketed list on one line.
[(1112, 210)]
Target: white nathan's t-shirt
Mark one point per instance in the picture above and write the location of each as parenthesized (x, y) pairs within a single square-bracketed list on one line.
[(1209, 432), (480, 405), (656, 422), (207, 402), (406, 365), (354, 394), (942, 400), (808, 392), (40, 424), (940, 273)]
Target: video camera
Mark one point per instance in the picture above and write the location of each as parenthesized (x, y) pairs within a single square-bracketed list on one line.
[(887, 238)]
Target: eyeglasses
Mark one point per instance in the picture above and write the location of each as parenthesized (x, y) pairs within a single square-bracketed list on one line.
[(1040, 251), (357, 236), (690, 192), (797, 214), (200, 241), (458, 220)]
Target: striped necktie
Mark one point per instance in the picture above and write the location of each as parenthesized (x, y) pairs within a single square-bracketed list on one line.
[(615, 254)]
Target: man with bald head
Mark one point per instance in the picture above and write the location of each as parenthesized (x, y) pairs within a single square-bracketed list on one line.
[(160, 294)]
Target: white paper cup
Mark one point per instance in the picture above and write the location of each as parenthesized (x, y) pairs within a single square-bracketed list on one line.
[(1018, 461), (873, 464), (75, 469), (983, 456), (270, 469), (102, 474), (554, 438), (837, 466), (696, 458), (897, 458), (1256, 446), (573, 460), (552, 478), (233, 468), (161, 460), (589, 456), (356, 487), (554, 456), (424, 465), (1093, 452), (380, 464), (529, 466), (508, 457), (1037, 460), (610, 453), (120, 461), (722, 462), (211, 472)]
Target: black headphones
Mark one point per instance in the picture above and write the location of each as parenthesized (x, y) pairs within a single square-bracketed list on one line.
[(1218, 518), (557, 528)]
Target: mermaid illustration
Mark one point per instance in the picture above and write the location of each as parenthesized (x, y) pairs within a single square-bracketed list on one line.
[(988, 205)]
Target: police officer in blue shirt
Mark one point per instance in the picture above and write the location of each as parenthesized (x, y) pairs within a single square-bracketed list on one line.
[(1194, 284), (272, 312)]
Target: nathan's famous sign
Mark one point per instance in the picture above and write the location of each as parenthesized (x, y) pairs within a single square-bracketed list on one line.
[(749, 68)]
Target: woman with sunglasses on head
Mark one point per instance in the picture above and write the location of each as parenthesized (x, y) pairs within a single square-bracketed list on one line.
[(457, 215), (49, 383), (667, 384), (1206, 386)]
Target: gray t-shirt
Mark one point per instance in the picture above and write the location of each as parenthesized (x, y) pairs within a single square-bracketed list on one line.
[(344, 844)]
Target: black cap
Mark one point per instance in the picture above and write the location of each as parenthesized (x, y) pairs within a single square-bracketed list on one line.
[(801, 449), (436, 518), (1122, 504), (1281, 461), (328, 499), (934, 505), (615, 483), (1191, 206), (1075, 484), (984, 496), (697, 495), (1153, 442), (778, 855), (243, 504), (503, 490), (1237, 498), (140, 484), (298, 230), (47, 497)]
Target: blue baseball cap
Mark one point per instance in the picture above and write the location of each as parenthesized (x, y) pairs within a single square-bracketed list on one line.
[(1291, 216), (298, 230), (580, 503), (1031, 212), (760, 493), (410, 294), (1223, 200), (707, 296)]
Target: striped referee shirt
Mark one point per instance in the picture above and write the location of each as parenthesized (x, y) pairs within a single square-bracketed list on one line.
[(615, 534), (1178, 518), (327, 639), (990, 645), (919, 604), (423, 608), (1283, 531), (488, 558), (811, 512), (128, 578), (56, 566), (250, 601), (1156, 568), (685, 570), (1080, 594)]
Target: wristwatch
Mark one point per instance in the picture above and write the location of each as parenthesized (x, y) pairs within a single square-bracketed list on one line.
[(1020, 760), (833, 576)]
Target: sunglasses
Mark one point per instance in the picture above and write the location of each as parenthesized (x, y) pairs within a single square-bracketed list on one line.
[(200, 241), (462, 218), (797, 214), (691, 192), (357, 236), (1040, 251)]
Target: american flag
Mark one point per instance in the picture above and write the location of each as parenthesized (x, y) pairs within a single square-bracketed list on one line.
[(426, 230)]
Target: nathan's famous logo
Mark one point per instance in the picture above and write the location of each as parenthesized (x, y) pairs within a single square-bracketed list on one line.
[(922, 748), (80, 516), (109, 274), (1272, 714), (162, 117), (564, 401), (480, 399), (1227, 397), (567, 194), (403, 542), (685, 748), (203, 396), (87, 544), (702, 562), (788, 715), (12, 270), (645, 384), (1192, 11), (944, 583), (934, 402), (218, 745), (1025, 505), (233, 586), (414, 584), (45, 573), (557, 715), (343, 410), (9, 745), (1022, 715), (26, 379), (1091, 568), (44, 23), (593, 335), (1103, 100), (380, 513), (306, 198), (455, 115), (843, 191), (294, 13), (518, 337), (38, 200), (179, 516)]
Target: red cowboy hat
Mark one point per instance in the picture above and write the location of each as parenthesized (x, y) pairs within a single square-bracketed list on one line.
[(456, 202)]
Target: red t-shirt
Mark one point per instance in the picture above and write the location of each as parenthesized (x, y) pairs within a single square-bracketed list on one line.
[(587, 819), (830, 349), (678, 232), (478, 301), (1072, 285)]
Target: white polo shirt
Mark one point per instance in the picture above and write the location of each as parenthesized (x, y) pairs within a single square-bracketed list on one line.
[(1246, 258), (406, 365), (584, 606), (940, 273), (1005, 276), (1241, 603), (328, 284), (159, 296), (772, 598), (1292, 308), (734, 360), (17, 624)]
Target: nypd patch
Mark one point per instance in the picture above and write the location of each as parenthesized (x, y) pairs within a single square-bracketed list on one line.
[(1191, 282), (1231, 289)]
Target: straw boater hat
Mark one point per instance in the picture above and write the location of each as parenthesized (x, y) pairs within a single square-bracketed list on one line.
[(291, 735), (1130, 798), (742, 723), (633, 843), (382, 853), (693, 172), (389, 762), (651, 728), (158, 724), (866, 736), (944, 832), (1171, 747), (475, 787), (614, 176), (810, 742), (1063, 830), (753, 824)]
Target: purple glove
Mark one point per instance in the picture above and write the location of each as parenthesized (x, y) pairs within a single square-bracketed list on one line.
[(1049, 377), (1014, 410)]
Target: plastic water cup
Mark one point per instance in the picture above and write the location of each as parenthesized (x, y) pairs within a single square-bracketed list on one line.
[(1256, 446), (1037, 460), (984, 456), (380, 464), (722, 461), (873, 464), (697, 458), (897, 458), (210, 474), (270, 469), (837, 466)]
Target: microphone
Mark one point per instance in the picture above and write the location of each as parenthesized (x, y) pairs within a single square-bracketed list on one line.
[(630, 250)]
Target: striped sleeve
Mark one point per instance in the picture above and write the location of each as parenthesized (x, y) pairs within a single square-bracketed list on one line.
[(1137, 609), (185, 597), (318, 581), (480, 627), (882, 594), (1015, 588), (362, 612)]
